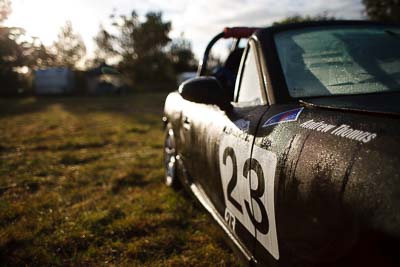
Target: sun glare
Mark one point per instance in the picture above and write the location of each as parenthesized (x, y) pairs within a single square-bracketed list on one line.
[(44, 18)]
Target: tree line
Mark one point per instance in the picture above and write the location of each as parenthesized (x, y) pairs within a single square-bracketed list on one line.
[(143, 49), (140, 49)]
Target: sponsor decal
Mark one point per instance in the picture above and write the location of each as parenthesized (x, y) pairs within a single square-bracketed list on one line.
[(242, 124), (287, 116), (343, 130)]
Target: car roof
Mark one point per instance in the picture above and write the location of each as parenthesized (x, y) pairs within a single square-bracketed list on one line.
[(298, 25), (265, 37)]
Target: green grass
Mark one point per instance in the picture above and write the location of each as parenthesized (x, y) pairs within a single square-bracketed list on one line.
[(81, 184)]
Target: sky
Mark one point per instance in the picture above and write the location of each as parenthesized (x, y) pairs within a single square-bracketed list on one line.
[(198, 20)]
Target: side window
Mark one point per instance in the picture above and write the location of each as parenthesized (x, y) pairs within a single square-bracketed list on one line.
[(250, 91)]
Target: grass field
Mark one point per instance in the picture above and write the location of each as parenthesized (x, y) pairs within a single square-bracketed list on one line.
[(81, 185)]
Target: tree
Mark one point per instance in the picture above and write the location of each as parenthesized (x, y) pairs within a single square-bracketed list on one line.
[(151, 36), (5, 9), (139, 45), (11, 58), (143, 49), (37, 55), (383, 10), (181, 55), (104, 46), (69, 48), (19, 54)]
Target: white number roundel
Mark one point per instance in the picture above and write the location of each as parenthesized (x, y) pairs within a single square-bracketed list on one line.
[(248, 185)]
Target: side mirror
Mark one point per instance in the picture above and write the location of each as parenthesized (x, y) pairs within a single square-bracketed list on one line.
[(205, 90)]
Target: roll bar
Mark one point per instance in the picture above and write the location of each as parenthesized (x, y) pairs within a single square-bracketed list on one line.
[(233, 32)]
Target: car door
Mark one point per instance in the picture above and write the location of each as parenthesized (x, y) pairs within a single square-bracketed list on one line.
[(272, 143), (222, 144)]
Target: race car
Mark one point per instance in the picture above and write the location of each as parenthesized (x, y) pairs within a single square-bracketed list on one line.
[(292, 146)]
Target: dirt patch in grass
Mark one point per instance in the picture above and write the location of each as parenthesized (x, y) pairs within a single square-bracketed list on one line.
[(81, 185)]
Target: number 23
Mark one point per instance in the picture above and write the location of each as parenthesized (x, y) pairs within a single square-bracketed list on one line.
[(250, 164)]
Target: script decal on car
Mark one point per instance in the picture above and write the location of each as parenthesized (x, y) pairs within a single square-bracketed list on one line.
[(343, 130), (248, 185)]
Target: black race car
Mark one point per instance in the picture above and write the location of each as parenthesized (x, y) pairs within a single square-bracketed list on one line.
[(297, 159)]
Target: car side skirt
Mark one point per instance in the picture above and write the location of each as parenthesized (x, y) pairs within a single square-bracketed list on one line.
[(206, 203), (245, 255)]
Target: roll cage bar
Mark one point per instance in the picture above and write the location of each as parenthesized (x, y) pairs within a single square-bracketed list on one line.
[(233, 32)]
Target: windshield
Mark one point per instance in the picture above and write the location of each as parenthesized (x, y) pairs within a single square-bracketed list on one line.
[(345, 60)]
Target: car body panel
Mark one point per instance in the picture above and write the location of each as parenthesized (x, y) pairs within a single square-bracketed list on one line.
[(325, 180), (205, 134), (295, 182)]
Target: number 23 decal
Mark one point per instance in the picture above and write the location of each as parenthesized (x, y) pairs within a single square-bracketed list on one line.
[(248, 185), (255, 194)]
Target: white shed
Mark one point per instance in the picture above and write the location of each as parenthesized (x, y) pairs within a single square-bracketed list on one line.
[(54, 81)]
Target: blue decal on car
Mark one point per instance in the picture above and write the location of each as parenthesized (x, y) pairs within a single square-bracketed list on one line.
[(287, 116)]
